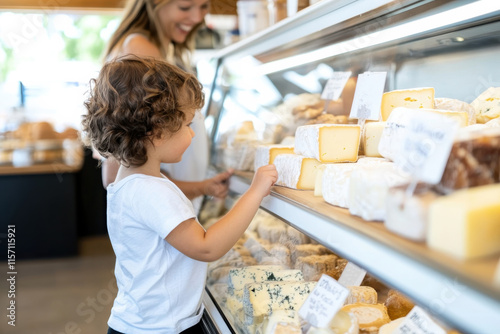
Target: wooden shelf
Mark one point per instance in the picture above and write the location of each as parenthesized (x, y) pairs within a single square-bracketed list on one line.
[(447, 287)]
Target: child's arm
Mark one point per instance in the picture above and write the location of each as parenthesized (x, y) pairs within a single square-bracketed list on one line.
[(190, 238), (216, 186)]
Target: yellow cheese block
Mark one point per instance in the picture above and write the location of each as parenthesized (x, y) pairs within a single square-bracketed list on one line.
[(370, 316), (409, 98), (328, 142), (466, 223), (462, 117), (318, 184), (371, 138)]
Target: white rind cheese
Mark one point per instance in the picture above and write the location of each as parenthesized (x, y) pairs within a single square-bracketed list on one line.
[(335, 183), (265, 154), (328, 142), (296, 171), (408, 215), (368, 188), (443, 103)]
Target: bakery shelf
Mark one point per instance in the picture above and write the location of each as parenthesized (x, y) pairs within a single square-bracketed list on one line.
[(461, 293)]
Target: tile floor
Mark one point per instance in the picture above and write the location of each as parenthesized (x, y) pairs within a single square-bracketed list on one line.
[(63, 296)]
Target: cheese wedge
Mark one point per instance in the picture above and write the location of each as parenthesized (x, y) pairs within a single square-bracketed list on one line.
[(443, 103), (262, 299), (391, 326), (265, 154), (370, 316), (487, 105), (371, 138), (296, 171), (328, 142), (409, 98), (466, 223)]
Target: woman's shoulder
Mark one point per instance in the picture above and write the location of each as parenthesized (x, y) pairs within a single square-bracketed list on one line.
[(139, 44)]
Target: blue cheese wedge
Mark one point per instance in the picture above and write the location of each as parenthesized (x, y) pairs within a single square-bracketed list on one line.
[(487, 105), (262, 299)]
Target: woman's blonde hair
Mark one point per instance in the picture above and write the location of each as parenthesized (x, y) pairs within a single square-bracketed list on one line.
[(141, 16)]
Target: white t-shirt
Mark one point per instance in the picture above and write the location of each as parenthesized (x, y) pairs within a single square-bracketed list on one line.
[(159, 288), (194, 163)]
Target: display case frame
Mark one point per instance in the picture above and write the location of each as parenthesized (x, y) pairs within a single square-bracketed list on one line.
[(460, 293)]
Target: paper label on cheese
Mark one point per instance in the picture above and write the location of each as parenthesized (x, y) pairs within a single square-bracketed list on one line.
[(418, 322), (368, 96), (352, 275), (419, 142), (335, 85), (324, 301)]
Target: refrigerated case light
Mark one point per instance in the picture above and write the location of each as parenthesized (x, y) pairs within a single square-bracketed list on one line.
[(426, 24)]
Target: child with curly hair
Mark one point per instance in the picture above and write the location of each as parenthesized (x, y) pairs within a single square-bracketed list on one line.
[(139, 112)]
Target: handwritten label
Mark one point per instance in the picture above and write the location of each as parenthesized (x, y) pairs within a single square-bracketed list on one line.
[(418, 322), (368, 96), (335, 85), (419, 142), (326, 299), (352, 275)]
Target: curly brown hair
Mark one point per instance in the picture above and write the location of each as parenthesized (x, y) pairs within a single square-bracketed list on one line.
[(134, 100)]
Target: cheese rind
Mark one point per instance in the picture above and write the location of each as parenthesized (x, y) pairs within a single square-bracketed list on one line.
[(296, 171), (328, 142), (370, 316), (487, 105), (410, 98), (444, 103), (265, 154), (466, 223)]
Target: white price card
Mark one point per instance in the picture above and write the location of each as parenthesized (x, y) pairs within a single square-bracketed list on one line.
[(335, 85), (326, 299), (352, 275), (418, 322), (419, 142), (368, 96)]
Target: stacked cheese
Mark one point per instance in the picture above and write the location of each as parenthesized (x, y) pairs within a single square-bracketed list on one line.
[(266, 154), (417, 98)]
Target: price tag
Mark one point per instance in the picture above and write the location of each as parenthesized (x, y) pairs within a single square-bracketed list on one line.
[(335, 85), (368, 96), (418, 322), (352, 275), (419, 142), (326, 299)]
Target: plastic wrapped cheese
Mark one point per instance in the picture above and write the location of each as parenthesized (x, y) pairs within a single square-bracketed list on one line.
[(368, 188)]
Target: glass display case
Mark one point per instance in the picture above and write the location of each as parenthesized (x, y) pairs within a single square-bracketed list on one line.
[(261, 85)]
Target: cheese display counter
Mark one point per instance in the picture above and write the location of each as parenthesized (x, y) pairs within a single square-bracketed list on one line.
[(434, 54)]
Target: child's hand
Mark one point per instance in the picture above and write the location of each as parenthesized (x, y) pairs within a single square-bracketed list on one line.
[(218, 186), (263, 180)]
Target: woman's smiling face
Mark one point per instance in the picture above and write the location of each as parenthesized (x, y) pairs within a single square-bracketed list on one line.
[(179, 17)]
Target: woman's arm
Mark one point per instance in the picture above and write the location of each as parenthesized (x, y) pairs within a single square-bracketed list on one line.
[(216, 186), (192, 240)]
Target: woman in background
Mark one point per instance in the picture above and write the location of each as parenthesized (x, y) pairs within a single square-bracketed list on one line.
[(166, 29)]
